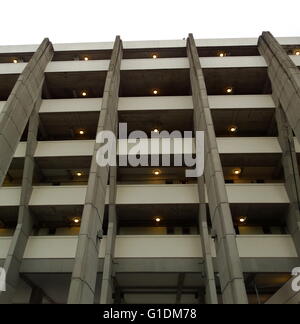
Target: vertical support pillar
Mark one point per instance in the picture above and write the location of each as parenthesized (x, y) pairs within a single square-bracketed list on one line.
[(229, 264), (291, 174), (20, 104), (107, 287), (25, 219), (180, 284), (211, 296), (83, 281), (285, 79)]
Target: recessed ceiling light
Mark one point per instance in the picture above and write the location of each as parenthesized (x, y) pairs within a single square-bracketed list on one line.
[(86, 58), (155, 92), (156, 172), (229, 90), (233, 129), (242, 219), (154, 56), (157, 219), (76, 220), (84, 93), (237, 171), (79, 174), (297, 52), (15, 61)]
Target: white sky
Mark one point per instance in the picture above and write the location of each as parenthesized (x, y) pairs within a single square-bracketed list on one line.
[(66, 21)]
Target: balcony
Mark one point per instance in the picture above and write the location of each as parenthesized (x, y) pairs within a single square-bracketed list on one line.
[(147, 194), (231, 145), (145, 64), (157, 246)]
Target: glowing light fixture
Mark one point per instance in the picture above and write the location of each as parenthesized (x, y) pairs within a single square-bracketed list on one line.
[(86, 58), (15, 61), (156, 172), (229, 90), (154, 56), (81, 132), (76, 220), (237, 171), (84, 93), (243, 219), (157, 219), (233, 129), (155, 92), (79, 174)]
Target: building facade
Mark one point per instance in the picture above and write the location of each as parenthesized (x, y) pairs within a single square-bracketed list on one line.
[(75, 231)]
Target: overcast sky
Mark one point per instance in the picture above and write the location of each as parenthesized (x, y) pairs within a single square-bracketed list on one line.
[(65, 21)]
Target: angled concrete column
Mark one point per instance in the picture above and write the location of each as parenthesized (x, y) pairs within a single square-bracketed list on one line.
[(107, 286), (285, 78), (20, 103), (210, 284), (82, 289), (228, 260), (25, 219), (291, 174)]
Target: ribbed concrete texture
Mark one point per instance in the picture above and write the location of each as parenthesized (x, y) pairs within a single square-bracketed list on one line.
[(82, 289), (210, 284), (20, 104), (25, 218), (107, 287), (285, 78), (229, 265), (291, 174)]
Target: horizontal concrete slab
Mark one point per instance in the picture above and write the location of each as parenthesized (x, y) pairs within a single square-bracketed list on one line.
[(145, 64), (147, 44), (226, 145), (188, 194), (77, 66), (12, 68), (156, 246), (155, 103), (232, 62), (295, 59), (153, 64), (147, 194)]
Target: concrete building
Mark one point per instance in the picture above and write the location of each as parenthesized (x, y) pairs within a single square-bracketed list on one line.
[(72, 231)]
